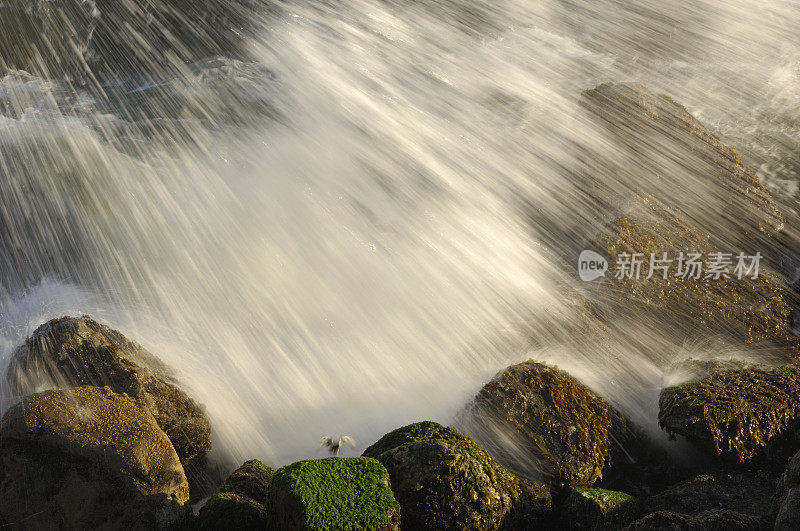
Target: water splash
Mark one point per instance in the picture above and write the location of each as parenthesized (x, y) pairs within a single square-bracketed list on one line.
[(354, 227)]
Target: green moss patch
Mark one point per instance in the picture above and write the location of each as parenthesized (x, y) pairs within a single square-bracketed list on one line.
[(333, 493)]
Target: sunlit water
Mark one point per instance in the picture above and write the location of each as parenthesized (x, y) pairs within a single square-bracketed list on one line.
[(353, 230)]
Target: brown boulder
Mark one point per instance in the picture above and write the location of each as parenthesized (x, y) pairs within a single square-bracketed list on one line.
[(88, 458)]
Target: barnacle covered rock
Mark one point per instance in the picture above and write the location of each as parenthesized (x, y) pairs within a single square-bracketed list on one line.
[(682, 301)]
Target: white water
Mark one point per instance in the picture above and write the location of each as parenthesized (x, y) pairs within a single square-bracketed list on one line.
[(350, 233)]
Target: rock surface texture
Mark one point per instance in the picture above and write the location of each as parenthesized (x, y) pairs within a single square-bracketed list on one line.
[(444, 480), (70, 352), (88, 458)]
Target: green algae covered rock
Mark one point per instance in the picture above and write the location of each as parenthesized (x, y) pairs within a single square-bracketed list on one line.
[(736, 414), (88, 458), (335, 493), (444, 480), (239, 504), (70, 352), (595, 508), (560, 428)]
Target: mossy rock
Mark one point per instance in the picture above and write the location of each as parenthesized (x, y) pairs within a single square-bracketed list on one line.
[(240, 502), (738, 414), (69, 352), (556, 426), (88, 458), (351, 493), (587, 508), (444, 480)]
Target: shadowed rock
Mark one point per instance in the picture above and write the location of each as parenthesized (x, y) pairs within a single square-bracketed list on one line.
[(738, 414), (88, 458), (69, 352), (595, 508), (239, 504), (444, 480), (714, 520), (786, 502)]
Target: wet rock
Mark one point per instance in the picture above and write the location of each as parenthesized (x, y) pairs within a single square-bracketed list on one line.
[(658, 148), (742, 310), (595, 508), (332, 493), (545, 422), (444, 480), (748, 493), (69, 352), (717, 520), (79, 39), (239, 504), (739, 414), (88, 458), (785, 509)]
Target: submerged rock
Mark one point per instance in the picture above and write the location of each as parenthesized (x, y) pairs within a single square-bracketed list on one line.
[(786, 501), (595, 508), (444, 480), (557, 424), (70, 352), (88, 458), (81, 39), (658, 148), (332, 493), (745, 309), (239, 504), (735, 414)]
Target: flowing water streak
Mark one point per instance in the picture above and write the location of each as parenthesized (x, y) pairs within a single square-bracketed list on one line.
[(354, 231)]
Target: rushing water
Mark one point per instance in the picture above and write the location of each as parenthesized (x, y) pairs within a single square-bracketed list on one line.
[(353, 228)]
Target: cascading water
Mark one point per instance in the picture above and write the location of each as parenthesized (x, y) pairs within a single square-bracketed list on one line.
[(362, 219)]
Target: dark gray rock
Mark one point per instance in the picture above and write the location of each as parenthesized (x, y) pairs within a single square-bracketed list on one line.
[(786, 501)]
